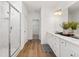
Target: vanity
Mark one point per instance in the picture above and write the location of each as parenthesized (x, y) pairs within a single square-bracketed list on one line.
[(63, 46)]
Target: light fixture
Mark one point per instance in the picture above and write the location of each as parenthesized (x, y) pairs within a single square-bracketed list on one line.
[(58, 12)]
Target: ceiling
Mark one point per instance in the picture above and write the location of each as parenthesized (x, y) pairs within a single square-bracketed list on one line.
[(36, 5)]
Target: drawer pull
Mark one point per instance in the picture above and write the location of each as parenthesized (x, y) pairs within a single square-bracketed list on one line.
[(62, 42), (71, 55)]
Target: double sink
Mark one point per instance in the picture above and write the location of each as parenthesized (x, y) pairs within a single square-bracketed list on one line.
[(68, 35)]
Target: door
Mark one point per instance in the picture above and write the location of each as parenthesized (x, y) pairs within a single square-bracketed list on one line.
[(56, 45), (36, 29), (14, 30)]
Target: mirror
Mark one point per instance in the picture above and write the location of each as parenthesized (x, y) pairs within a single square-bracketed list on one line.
[(73, 14)]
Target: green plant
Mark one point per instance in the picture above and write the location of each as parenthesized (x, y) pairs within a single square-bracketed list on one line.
[(74, 25), (65, 25)]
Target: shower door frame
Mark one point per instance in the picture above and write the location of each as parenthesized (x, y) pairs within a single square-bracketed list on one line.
[(11, 6)]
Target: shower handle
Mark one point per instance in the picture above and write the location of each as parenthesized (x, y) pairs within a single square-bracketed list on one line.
[(10, 29)]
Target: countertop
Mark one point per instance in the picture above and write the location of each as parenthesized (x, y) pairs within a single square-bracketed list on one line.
[(69, 39)]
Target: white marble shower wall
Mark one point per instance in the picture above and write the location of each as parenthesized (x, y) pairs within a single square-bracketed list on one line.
[(4, 29)]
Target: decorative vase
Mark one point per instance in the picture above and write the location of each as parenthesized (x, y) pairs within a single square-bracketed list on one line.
[(71, 31), (66, 31)]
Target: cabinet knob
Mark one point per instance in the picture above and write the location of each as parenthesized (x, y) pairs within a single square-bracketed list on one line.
[(62, 42), (71, 55)]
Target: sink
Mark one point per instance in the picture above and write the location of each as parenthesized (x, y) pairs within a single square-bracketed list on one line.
[(68, 35), (61, 33)]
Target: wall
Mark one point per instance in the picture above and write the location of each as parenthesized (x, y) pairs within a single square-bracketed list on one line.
[(50, 22), (24, 30), (4, 29)]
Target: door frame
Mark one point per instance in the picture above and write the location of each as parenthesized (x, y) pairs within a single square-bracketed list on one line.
[(32, 27), (39, 26), (11, 6)]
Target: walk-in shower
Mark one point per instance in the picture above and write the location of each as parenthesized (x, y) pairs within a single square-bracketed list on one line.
[(10, 29)]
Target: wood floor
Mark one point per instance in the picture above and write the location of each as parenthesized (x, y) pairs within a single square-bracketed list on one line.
[(33, 48)]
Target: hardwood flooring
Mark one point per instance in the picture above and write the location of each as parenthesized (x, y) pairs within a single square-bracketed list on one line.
[(33, 48)]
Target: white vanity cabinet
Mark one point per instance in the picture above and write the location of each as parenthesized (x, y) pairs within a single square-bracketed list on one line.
[(62, 47)]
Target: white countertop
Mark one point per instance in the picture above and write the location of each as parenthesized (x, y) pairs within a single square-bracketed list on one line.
[(69, 39)]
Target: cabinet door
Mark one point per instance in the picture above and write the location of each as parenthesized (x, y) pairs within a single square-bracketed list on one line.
[(48, 38), (77, 54), (53, 42), (65, 50), (56, 45), (74, 48)]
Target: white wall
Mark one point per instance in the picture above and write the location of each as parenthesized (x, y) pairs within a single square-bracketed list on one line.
[(50, 22), (4, 29), (29, 26), (24, 31)]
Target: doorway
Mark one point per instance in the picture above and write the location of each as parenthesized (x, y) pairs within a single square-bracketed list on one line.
[(36, 28)]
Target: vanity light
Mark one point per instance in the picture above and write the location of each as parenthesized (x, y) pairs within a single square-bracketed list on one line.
[(58, 12)]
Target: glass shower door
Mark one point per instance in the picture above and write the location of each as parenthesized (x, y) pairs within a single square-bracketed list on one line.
[(10, 31), (14, 30)]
